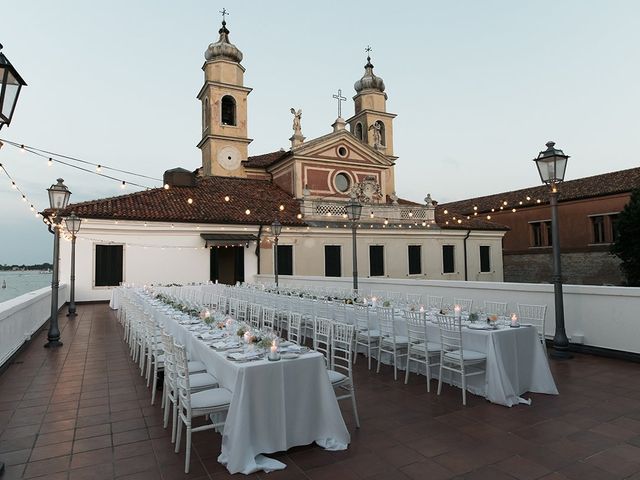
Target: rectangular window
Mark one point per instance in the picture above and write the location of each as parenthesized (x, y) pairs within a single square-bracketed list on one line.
[(285, 260), (332, 261), (485, 258), (547, 226), (415, 259), (598, 229), (536, 234), (612, 220), (448, 262), (376, 260), (541, 234), (108, 271)]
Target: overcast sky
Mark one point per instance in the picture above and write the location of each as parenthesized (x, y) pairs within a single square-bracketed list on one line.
[(479, 87)]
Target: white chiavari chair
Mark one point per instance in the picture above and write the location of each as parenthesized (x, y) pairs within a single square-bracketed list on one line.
[(322, 337), (535, 315), (390, 341), (454, 357), (465, 304), (213, 401), (433, 302), (255, 313), (367, 333), (341, 373), (293, 328), (268, 318), (495, 308), (421, 350)]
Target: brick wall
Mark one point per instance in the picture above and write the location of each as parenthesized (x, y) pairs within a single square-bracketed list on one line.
[(578, 268)]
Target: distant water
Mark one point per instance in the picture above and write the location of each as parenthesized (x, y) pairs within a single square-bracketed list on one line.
[(19, 283)]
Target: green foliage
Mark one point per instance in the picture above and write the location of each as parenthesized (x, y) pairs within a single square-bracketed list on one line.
[(627, 242)]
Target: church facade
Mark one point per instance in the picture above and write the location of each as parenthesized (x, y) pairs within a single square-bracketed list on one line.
[(214, 223)]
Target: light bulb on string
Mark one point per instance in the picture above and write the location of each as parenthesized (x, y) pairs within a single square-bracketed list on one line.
[(123, 185), (22, 150), (226, 198), (247, 212), (49, 162), (166, 186), (13, 185), (281, 208), (98, 168), (190, 201), (24, 199)]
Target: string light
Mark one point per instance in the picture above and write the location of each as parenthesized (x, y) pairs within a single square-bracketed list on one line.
[(166, 186), (23, 195), (123, 185), (226, 198), (190, 201), (281, 208), (51, 157), (98, 168)]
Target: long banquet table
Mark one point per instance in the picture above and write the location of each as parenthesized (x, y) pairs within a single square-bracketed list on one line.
[(274, 405), (516, 362)]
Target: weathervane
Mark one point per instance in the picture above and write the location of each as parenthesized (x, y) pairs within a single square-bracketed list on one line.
[(340, 99)]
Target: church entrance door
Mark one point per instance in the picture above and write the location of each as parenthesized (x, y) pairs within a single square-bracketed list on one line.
[(227, 265)]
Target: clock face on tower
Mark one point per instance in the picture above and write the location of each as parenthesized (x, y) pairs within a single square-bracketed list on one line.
[(229, 158)]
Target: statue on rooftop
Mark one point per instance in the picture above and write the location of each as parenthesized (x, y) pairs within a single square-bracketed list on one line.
[(297, 115)]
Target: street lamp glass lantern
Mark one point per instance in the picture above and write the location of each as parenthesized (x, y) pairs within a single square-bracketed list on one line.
[(354, 210), (72, 222), (58, 195), (276, 228), (10, 85), (552, 164)]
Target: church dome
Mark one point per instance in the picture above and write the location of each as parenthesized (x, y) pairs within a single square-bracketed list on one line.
[(223, 49), (369, 81)]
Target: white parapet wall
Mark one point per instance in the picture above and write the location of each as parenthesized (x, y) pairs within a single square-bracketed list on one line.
[(22, 316), (605, 317)]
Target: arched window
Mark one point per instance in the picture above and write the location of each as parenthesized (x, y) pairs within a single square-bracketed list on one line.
[(382, 133), (205, 113), (358, 132), (228, 110)]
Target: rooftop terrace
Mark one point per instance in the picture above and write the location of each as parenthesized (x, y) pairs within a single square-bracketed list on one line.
[(83, 411)]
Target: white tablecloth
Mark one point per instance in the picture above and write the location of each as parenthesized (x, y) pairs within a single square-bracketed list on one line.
[(114, 303), (274, 406)]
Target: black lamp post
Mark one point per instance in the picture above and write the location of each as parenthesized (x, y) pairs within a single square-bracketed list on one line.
[(552, 164), (72, 222), (276, 228), (58, 200), (354, 210), (10, 85)]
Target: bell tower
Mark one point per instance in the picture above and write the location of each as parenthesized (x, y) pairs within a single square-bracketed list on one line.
[(224, 142), (371, 124)]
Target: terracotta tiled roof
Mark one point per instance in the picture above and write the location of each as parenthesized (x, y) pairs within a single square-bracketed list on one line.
[(261, 197), (588, 187), (265, 160)]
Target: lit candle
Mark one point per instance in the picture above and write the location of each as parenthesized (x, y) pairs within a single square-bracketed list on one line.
[(456, 310), (514, 319), (247, 337), (273, 353), (421, 309), (374, 301)]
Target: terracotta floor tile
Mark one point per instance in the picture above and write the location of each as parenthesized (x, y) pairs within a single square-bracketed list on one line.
[(91, 443)]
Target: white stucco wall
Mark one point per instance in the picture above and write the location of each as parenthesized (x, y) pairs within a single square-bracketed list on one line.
[(308, 252), (157, 253)]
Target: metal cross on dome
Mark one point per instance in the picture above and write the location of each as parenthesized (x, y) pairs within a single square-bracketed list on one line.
[(340, 99), (224, 13), (368, 50)]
